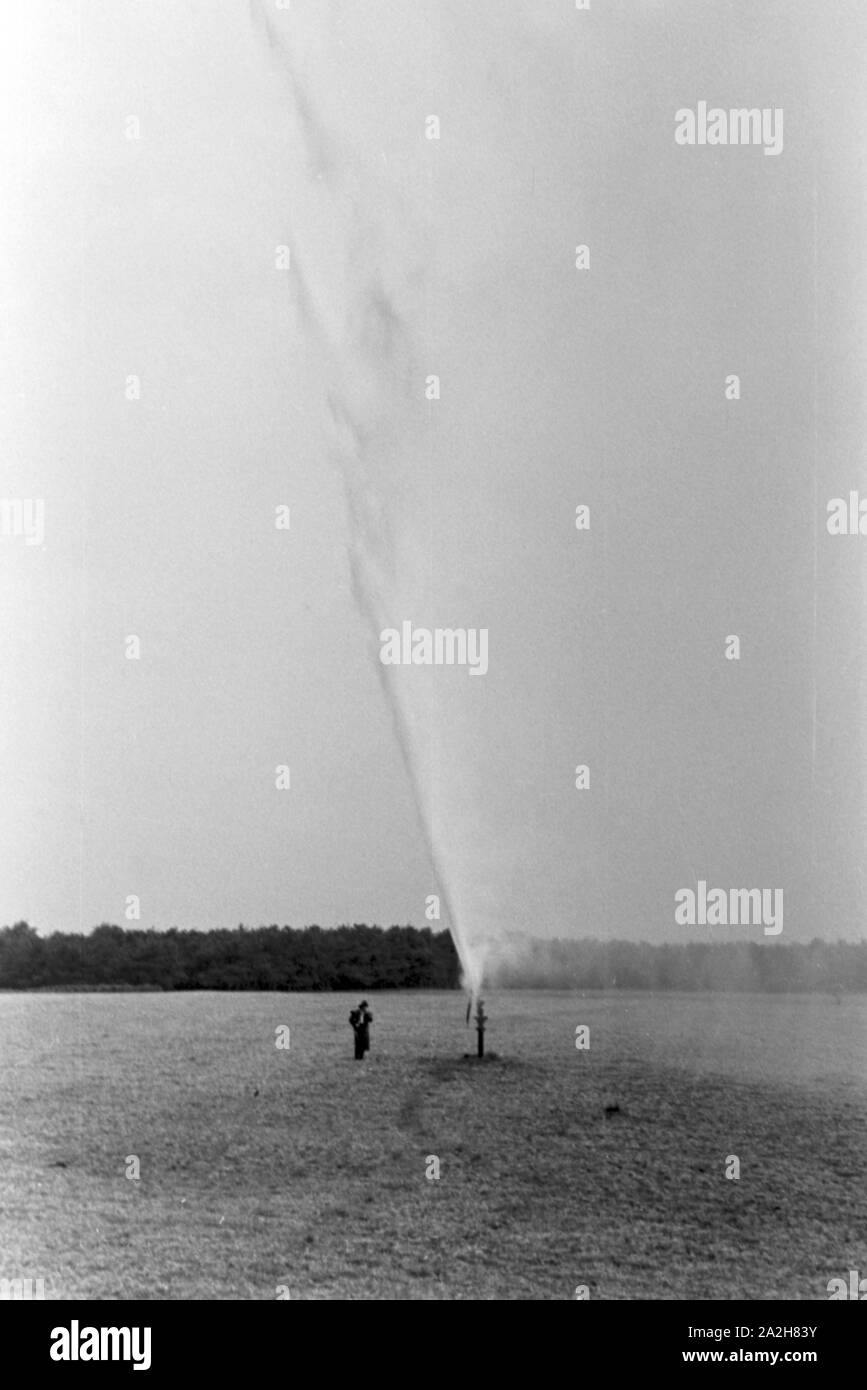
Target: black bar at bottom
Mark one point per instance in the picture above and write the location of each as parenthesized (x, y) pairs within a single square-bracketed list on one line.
[(59, 1339)]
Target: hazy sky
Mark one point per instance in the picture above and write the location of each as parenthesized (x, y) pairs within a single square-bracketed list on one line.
[(151, 250)]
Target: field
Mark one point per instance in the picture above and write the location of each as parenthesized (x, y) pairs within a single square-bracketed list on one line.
[(264, 1167)]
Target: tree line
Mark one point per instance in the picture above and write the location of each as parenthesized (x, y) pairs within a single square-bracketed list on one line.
[(832, 967), (364, 957), (306, 958)]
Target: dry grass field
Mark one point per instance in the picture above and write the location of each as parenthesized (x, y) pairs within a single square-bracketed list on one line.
[(264, 1167)]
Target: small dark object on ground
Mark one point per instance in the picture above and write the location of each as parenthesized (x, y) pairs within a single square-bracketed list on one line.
[(612, 1110)]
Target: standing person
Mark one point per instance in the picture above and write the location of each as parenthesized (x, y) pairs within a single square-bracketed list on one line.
[(361, 1019)]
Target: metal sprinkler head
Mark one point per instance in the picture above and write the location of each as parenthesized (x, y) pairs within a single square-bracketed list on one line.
[(480, 1020)]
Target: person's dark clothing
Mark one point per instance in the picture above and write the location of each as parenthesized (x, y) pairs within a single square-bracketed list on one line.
[(361, 1020)]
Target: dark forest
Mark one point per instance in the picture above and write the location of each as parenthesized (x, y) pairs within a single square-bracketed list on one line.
[(404, 957)]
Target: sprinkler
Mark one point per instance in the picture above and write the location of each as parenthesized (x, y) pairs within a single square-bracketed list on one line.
[(480, 1020)]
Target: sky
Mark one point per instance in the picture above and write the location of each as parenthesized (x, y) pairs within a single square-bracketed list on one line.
[(232, 261)]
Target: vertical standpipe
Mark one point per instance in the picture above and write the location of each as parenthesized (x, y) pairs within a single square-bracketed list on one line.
[(481, 1019)]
